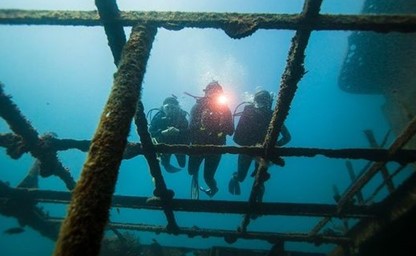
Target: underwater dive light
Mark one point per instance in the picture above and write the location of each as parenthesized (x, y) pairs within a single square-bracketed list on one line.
[(222, 99)]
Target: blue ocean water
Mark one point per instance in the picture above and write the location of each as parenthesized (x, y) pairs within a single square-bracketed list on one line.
[(60, 78)]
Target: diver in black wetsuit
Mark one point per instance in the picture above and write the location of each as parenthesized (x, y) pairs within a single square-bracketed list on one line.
[(211, 121), (250, 131), (170, 126)]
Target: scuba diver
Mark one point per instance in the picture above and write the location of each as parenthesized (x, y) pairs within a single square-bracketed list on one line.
[(170, 126), (210, 122), (250, 131)]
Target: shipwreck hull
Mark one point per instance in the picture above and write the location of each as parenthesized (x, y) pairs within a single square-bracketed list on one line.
[(385, 64)]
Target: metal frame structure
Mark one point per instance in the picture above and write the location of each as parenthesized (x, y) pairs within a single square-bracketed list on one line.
[(92, 196)]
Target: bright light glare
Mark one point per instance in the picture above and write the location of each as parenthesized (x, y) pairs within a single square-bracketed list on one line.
[(222, 99)]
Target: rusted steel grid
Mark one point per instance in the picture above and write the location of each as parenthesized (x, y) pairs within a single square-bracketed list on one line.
[(236, 24), (31, 142)]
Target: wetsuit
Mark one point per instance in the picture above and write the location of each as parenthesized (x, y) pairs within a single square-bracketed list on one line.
[(250, 131), (161, 122), (210, 123)]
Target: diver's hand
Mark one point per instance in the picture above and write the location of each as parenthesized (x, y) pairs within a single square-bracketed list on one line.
[(173, 130), (170, 131)]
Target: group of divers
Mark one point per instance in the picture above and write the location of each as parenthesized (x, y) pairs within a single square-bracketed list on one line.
[(210, 121)]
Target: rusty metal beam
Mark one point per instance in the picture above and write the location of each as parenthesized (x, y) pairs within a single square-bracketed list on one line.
[(22, 207), (229, 235), (234, 24), (186, 205), (293, 73), (353, 177), (11, 141), (110, 18), (384, 171), (370, 198), (161, 192), (83, 229), (31, 142), (395, 206), (400, 141)]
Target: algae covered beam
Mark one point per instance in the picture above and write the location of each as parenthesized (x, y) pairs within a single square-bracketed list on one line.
[(161, 192), (292, 74), (236, 24), (400, 141), (230, 236), (110, 17), (30, 141), (20, 204), (88, 213), (211, 206), (384, 171), (11, 142)]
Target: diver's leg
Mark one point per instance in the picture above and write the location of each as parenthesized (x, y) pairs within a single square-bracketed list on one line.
[(256, 167), (194, 163), (165, 159), (181, 159), (260, 195), (193, 170), (195, 186), (211, 165), (244, 162)]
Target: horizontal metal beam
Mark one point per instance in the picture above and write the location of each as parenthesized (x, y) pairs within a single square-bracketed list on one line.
[(10, 141), (211, 206), (230, 235), (235, 24)]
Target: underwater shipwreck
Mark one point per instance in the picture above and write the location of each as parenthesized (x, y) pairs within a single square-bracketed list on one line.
[(371, 228)]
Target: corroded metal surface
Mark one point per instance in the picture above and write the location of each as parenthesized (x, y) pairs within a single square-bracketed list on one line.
[(83, 229), (217, 206), (400, 141), (161, 192), (82, 233), (30, 141), (236, 25), (110, 18), (11, 141)]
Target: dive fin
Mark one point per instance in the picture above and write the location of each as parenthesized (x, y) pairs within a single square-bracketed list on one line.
[(194, 187), (208, 191), (234, 186)]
